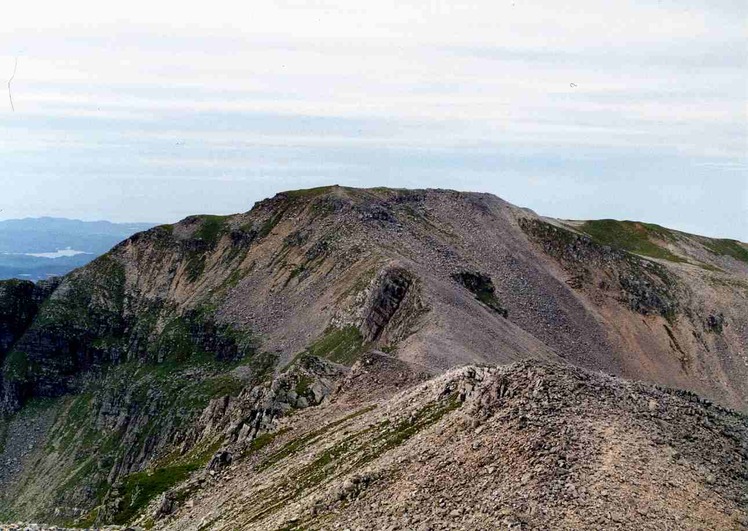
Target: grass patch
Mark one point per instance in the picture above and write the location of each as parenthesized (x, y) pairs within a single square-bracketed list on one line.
[(732, 248), (631, 236), (88, 521), (214, 387), (267, 227), (672, 339), (211, 229), (300, 442), (709, 267), (205, 239), (339, 345), (140, 488), (261, 441), (195, 267), (175, 342), (351, 453), (390, 436), (308, 192), (729, 283), (404, 430), (303, 385)]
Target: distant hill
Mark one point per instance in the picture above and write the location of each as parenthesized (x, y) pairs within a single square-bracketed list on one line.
[(37, 248)]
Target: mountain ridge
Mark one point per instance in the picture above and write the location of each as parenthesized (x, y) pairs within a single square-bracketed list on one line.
[(192, 339)]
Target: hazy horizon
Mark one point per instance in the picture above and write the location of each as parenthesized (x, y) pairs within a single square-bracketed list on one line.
[(167, 221), (153, 112)]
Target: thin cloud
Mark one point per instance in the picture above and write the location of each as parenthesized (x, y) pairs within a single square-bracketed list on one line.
[(450, 93)]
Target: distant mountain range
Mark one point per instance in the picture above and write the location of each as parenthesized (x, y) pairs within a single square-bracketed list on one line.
[(37, 248)]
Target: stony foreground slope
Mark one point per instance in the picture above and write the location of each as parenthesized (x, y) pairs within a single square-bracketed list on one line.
[(188, 346), (525, 445)]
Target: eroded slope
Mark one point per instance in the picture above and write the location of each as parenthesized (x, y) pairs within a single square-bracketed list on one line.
[(526, 445), (142, 368)]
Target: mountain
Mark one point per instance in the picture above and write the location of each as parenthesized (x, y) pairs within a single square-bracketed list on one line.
[(38, 248), (331, 356)]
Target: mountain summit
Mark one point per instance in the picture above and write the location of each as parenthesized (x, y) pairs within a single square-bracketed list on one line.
[(131, 384)]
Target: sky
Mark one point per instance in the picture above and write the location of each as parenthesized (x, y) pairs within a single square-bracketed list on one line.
[(152, 111)]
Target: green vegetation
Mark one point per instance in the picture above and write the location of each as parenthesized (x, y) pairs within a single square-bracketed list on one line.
[(140, 488), (37, 405), (732, 248), (194, 337), (162, 236), (303, 385), (234, 278), (300, 442), (150, 363), (352, 452), (17, 308), (211, 229), (296, 271), (311, 260), (728, 283), (16, 367), (709, 267), (261, 441), (220, 385), (175, 342), (324, 206), (404, 430), (93, 300), (361, 283), (339, 345), (672, 338), (375, 441), (482, 287), (88, 521), (195, 266), (649, 287), (267, 227), (161, 398), (490, 300), (631, 236), (308, 193), (205, 239)]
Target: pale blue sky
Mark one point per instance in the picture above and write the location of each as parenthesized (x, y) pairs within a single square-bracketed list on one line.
[(153, 111)]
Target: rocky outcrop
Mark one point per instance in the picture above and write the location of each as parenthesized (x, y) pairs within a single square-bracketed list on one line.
[(386, 298), (715, 323), (19, 304), (482, 287), (523, 446), (191, 348), (645, 286)]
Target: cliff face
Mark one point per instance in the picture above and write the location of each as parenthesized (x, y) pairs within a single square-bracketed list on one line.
[(141, 366), (19, 304)]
